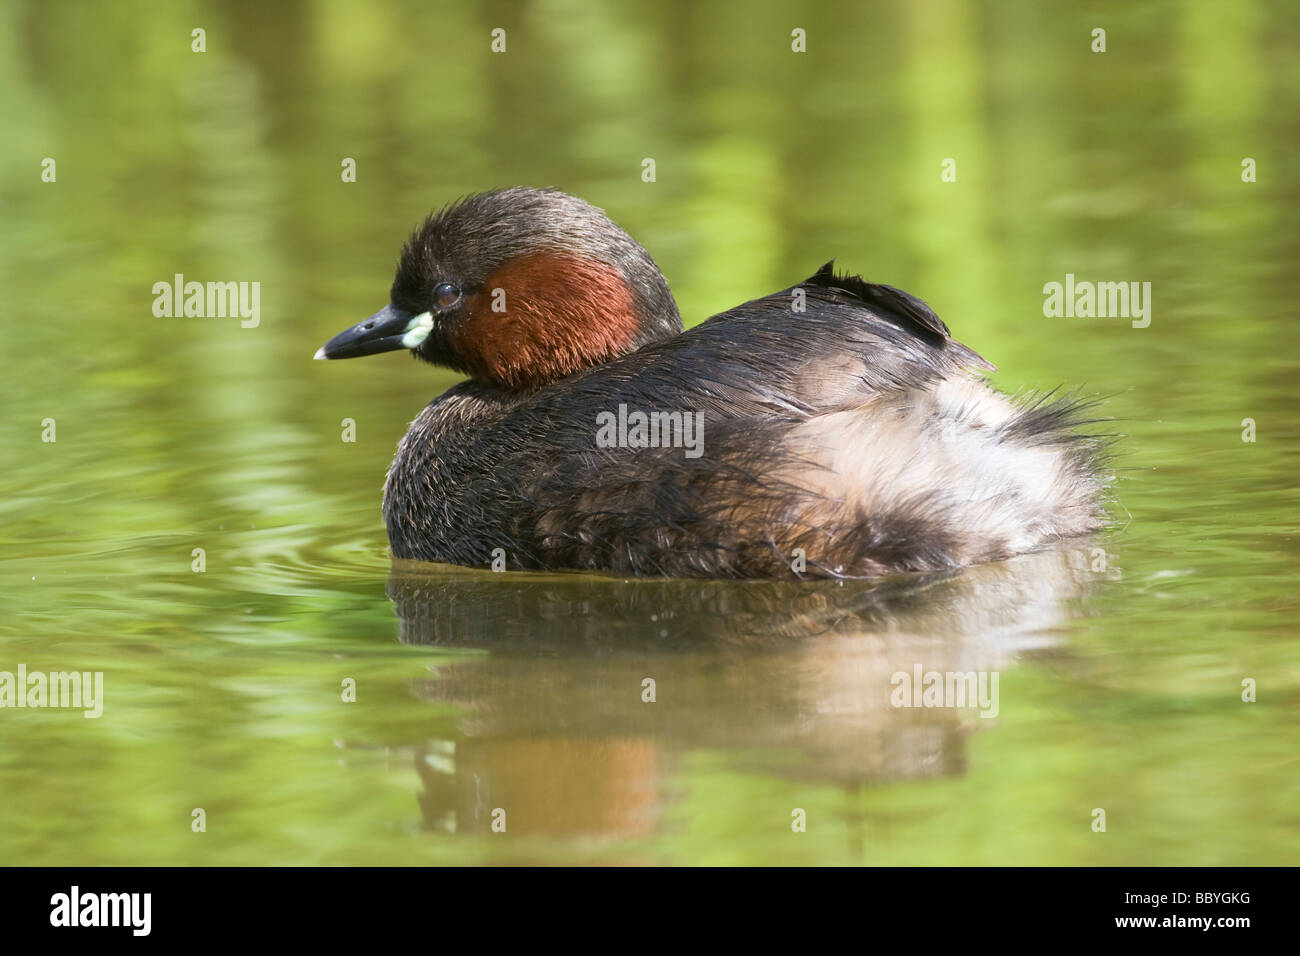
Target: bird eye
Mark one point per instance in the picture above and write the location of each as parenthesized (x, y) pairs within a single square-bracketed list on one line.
[(446, 295)]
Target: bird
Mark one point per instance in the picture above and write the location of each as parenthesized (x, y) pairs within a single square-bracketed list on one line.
[(833, 429)]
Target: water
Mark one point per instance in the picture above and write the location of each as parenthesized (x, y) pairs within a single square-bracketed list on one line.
[(1120, 660)]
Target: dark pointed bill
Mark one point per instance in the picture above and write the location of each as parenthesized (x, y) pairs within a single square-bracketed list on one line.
[(387, 330)]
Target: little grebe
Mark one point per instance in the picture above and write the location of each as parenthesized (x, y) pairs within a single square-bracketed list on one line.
[(832, 429)]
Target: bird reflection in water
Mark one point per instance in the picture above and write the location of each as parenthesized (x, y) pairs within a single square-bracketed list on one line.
[(791, 679)]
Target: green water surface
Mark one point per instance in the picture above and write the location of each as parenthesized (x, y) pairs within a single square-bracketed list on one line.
[(1121, 661)]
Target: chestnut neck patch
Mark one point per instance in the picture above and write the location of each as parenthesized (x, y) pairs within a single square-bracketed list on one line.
[(545, 315)]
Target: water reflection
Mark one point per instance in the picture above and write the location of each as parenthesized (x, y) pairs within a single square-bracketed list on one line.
[(790, 679)]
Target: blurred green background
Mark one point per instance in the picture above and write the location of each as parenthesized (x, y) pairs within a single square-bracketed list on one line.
[(1121, 660)]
